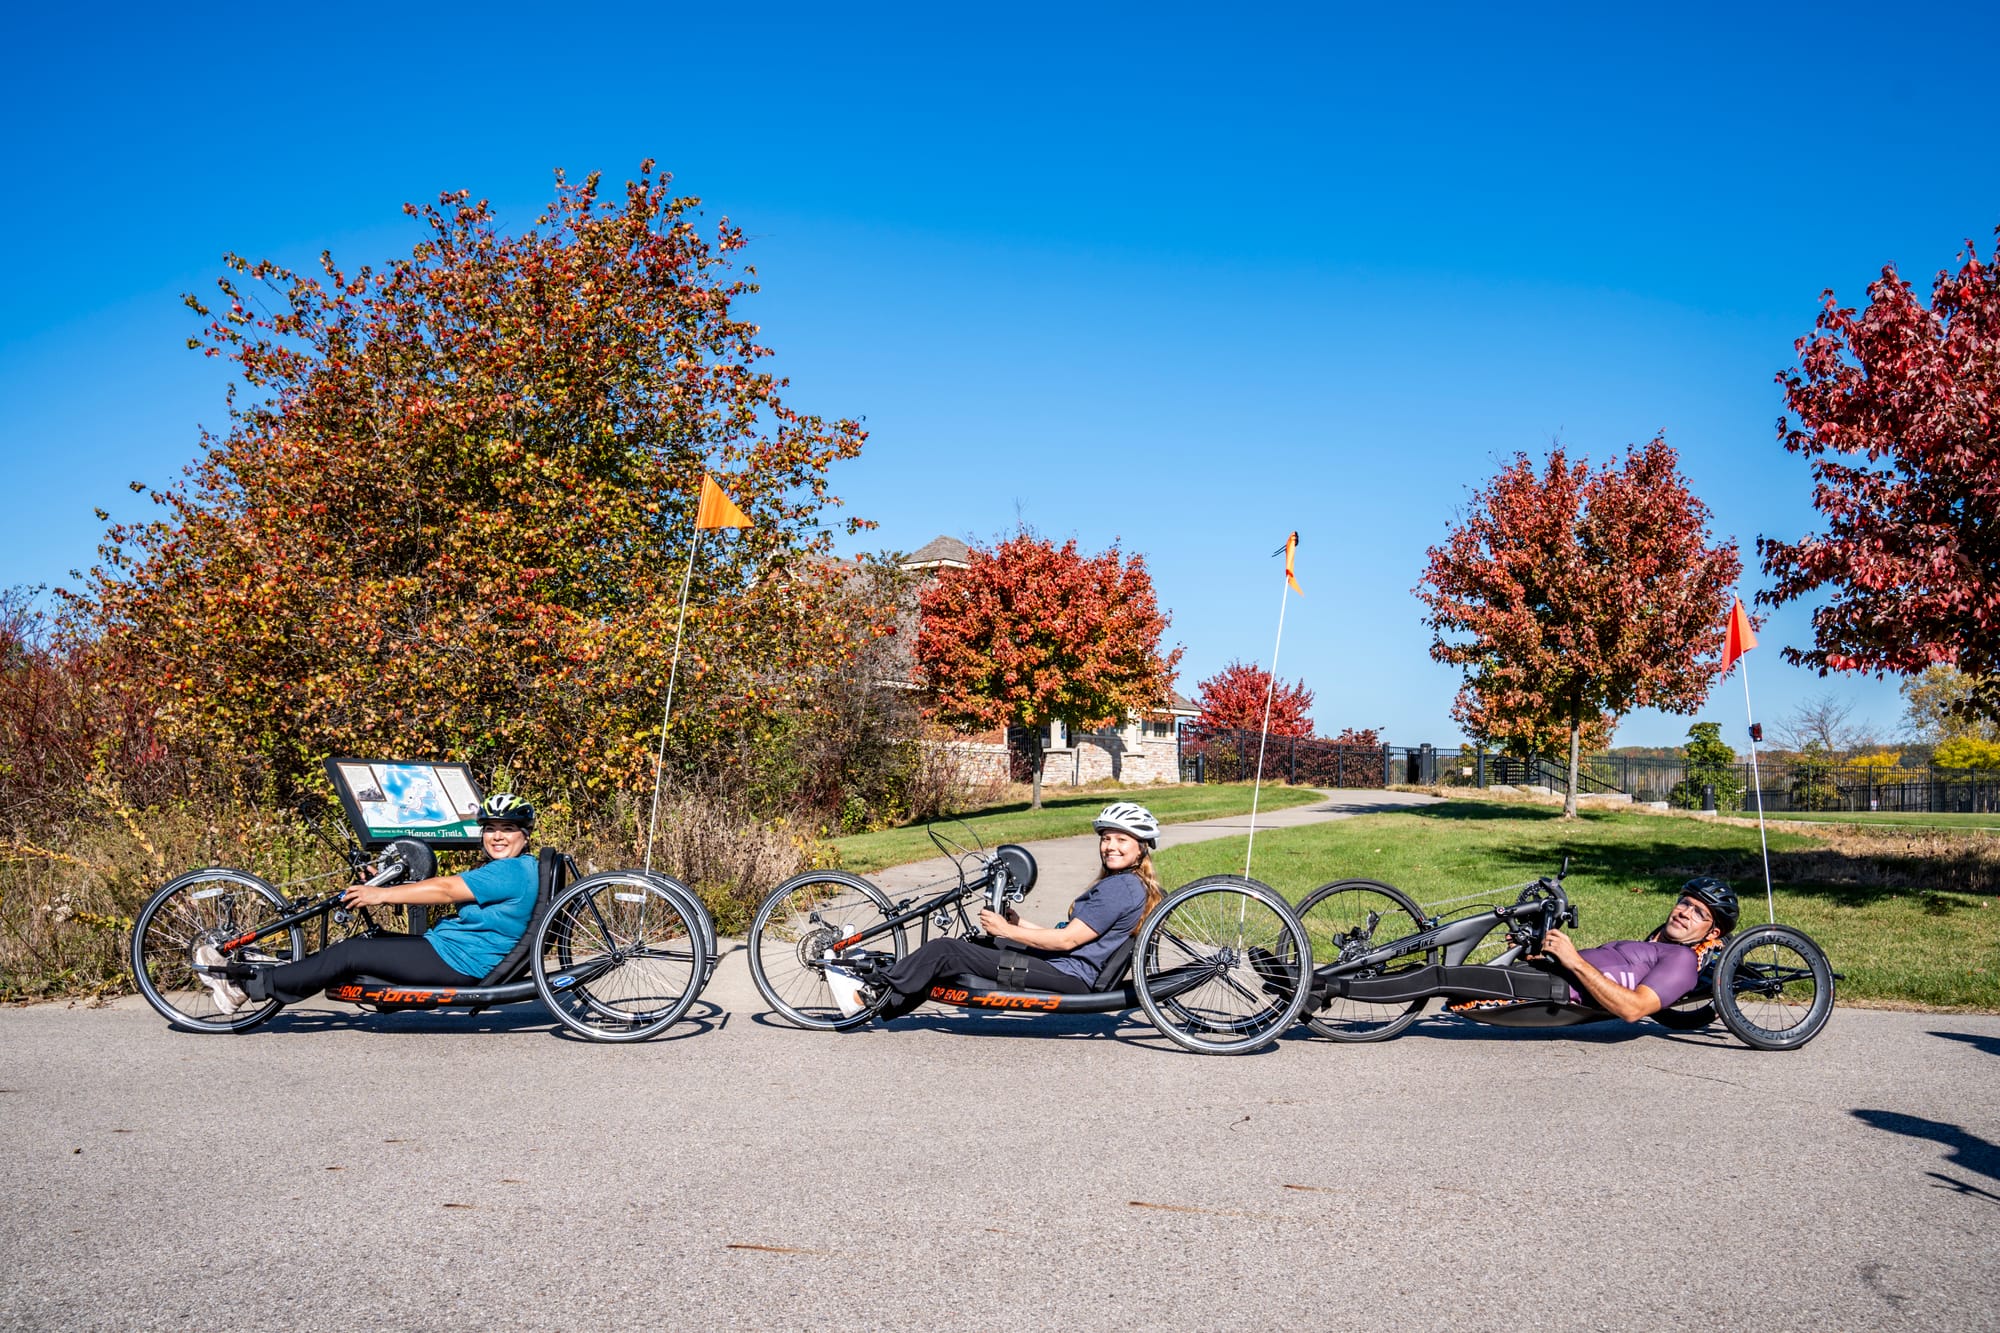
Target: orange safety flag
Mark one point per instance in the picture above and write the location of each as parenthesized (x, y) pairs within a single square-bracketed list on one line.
[(1740, 639), (1291, 545), (717, 510)]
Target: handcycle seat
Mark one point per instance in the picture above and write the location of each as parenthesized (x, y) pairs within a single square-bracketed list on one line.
[(1111, 990), (552, 870)]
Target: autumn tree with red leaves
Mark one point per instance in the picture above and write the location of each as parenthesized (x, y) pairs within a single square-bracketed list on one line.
[(1898, 406), (1570, 597), (1030, 633), (451, 510), (1233, 699)]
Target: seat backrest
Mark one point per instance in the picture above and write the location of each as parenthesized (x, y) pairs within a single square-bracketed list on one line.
[(1114, 967), (551, 877)]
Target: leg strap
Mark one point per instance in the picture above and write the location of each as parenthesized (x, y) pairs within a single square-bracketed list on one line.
[(1012, 974)]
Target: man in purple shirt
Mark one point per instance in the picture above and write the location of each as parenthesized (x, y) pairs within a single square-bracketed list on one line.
[(1633, 979)]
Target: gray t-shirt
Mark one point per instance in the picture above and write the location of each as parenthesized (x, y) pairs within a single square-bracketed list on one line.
[(1112, 908)]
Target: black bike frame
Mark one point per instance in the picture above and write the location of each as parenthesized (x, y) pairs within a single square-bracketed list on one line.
[(1457, 939)]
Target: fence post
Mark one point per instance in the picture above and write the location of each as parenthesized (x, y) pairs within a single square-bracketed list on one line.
[(1479, 766), (1386, 761), (1292, 764)]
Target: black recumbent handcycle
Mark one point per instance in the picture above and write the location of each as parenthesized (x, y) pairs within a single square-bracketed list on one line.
[(1191, 966), (1379, 959), (618, 956)]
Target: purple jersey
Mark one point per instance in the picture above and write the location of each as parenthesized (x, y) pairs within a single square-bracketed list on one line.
[(1668, 970)]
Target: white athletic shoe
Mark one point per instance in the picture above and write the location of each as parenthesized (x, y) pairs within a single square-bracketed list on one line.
[(229, 997), (846, 988)]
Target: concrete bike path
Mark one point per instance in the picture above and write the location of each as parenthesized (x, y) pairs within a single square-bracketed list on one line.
[(407, 1172), (1066, 866)]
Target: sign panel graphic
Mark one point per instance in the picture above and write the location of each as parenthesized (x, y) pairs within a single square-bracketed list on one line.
[(387, 799)]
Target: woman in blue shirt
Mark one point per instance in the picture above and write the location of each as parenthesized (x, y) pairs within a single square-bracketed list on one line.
[(494, 901), (1064, 958)]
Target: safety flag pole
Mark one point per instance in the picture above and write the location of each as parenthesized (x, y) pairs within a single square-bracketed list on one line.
[(1740, 640), (715, 510), (1291, 585)]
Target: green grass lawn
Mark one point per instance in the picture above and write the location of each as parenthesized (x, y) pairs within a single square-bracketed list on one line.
[(1907, 819), (1063, 816), (1908, 945)]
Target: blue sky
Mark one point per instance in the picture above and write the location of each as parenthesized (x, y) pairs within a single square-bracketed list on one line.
[(1162, 274)]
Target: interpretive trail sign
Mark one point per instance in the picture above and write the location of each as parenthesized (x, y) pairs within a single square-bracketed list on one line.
[(403, 798)]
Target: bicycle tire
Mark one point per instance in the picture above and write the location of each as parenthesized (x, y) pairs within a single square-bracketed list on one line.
[(1752, 979), (200, 907), (657, 939), (1253, 943), (1336, 918), (790, 936)]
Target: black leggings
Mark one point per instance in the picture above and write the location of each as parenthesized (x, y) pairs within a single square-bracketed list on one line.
[(911, 979), (409, 959)]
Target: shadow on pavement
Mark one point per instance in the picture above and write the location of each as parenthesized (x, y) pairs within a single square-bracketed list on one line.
[(1977, 1040), (1967, 1150), (527, 1019)]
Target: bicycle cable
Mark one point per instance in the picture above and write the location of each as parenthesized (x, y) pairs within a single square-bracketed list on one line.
[(1431, 908)]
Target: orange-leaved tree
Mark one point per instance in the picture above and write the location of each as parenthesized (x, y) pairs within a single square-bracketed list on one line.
[(1233, 700), (452, 507), (1570, 597), (1030, 633), (1898, 407)]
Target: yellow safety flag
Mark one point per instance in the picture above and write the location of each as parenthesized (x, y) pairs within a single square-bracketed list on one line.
[(1291, 545), (717, 510)]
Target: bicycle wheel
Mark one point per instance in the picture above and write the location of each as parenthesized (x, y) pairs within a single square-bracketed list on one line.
[(1218, 965), (1773, 988), (698, 912), (1349, 919), (798, 925), (618, 957), (211, 907)]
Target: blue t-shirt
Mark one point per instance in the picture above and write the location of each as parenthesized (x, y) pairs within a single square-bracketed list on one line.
[(503, 899), (1112, 908)]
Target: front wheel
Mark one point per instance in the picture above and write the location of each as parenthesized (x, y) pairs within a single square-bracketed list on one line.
[(1350, 919), (216, 907), (811, 921), (1218, 966), (619, 957), (1773, 988)]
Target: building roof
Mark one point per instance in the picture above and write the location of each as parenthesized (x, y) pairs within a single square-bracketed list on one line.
[(940, 551)]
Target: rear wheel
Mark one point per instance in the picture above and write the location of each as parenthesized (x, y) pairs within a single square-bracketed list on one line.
[(1348, 920), (619, 957), (802, 926), (208, 907), (1773, 988), (1217, 965)]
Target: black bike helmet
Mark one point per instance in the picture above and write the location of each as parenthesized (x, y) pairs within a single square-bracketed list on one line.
[(1717, 897), (506, 808)]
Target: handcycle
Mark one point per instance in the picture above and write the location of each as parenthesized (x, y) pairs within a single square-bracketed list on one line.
[(1382, 958), (618, 956), (1191, 966)]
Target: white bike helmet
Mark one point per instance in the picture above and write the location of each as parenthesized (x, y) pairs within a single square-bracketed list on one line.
[(1130, 817)]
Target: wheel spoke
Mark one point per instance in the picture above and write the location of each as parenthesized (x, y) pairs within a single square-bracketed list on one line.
[(1352, 919)]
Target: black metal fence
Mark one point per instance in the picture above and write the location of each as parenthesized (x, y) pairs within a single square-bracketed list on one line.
[(1787, 783)]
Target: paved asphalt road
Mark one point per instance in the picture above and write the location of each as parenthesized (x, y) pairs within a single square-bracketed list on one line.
[(339, 1171)]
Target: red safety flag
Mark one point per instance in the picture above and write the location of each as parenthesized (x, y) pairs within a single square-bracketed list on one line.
[(1740, 639), (717, 510), (1291, 545)]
